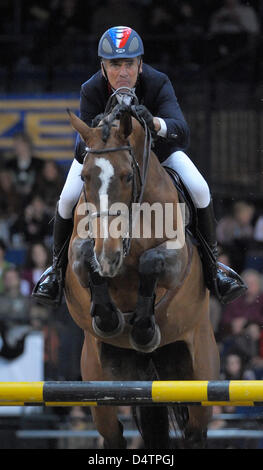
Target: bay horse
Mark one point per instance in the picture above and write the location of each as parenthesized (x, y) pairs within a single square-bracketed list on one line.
[(143, 305)]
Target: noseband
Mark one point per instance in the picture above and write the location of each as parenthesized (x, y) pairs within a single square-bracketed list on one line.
[(138, 176)]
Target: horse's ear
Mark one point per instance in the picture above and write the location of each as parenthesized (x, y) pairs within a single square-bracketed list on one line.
[(125, 128), (80, 126)]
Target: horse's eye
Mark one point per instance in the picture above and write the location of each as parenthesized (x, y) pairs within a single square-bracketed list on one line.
[(85, 178), (129, 178)]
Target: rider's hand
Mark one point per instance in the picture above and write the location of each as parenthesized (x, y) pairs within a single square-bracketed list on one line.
[(145, 114)]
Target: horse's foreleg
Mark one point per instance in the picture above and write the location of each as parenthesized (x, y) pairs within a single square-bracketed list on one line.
[(157, 265), (107, 321), (145, 334)]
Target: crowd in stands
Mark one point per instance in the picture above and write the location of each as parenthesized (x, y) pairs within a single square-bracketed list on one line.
[(239, 325), (30, 188), (62, 35)]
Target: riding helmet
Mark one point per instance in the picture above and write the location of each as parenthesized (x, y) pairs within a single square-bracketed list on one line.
[(120, 42)]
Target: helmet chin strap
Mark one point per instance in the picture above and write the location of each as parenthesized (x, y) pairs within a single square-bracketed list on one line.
[(104, 70)]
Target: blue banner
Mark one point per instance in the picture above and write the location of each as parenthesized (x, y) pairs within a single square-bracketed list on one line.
[(44, 117)]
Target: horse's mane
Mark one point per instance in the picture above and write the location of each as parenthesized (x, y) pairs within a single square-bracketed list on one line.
[(105, 120)]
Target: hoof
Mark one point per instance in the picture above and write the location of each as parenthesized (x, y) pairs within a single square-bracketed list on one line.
[(110, 334), (151, 345)]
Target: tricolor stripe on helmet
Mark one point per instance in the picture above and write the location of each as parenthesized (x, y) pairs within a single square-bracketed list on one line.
[(120, 35)]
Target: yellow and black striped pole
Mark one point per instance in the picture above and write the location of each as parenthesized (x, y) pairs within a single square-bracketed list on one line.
[(202, 393)]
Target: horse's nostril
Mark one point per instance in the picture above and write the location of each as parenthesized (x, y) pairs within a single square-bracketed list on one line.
[(116, 258)]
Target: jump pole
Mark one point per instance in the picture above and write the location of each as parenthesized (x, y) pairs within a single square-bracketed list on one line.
[(201, 393)]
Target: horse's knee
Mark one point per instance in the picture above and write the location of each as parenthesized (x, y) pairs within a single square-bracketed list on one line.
[(152, 263), (82, 259)]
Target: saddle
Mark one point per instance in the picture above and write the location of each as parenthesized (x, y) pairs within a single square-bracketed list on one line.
[(207, 255), (184, 197)]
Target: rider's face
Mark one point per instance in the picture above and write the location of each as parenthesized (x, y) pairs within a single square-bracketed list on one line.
[(122, 72)]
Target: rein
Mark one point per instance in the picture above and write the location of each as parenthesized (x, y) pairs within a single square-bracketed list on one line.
[(137, 195)]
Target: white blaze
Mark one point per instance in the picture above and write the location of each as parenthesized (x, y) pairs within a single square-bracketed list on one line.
[(105, 176)]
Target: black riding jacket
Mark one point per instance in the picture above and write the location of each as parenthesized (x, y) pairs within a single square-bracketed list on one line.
[(155, 91)]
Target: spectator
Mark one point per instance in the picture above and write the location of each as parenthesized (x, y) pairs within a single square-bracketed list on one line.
[(236, 226), (50, 184), (160, 20), (4, 265), (234, 18), (233, 367), (24, 165), (234, 32), (253, 336), (33, 225), (254, 258), (258, 232), (245, 339), (37, 261), (235, 232), (10, 201), (250, 306), (14, 315)]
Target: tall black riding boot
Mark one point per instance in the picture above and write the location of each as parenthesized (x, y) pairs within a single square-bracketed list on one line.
[(224, 283), (49, 288)]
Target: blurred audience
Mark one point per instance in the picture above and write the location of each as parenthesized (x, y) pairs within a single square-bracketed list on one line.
[(14, 306), (232, 367), (10, 201), (249, 307), (62, 33), (4, 264), (234, 17), (50, 183), (235, 232), (24, 165), (254, 257), (34, 224), (37, 260), (14, 315), (258, 232), (238, 225)]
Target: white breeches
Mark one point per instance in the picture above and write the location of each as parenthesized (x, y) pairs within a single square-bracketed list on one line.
[(191, 177), (71, 190), (179, 161)]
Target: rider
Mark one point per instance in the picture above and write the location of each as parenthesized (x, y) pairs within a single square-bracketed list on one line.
[(120, 50)]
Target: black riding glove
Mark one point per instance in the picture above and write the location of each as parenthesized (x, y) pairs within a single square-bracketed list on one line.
[(143, 113)]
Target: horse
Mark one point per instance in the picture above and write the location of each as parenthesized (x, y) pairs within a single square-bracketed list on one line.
[(142, 304)]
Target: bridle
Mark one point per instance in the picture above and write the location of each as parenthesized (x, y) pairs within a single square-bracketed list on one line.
[(139, 176)]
